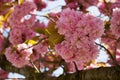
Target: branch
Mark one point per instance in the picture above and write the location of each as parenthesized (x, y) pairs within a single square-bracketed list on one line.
[(102, 73), (109, 53), (116, 45), (46, 16), (34, 44), (34, 66)]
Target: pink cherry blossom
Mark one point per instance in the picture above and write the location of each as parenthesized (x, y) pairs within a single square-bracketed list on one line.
[(115, 22), (72, 5), (71, 21), (108, 6), (3, 74), (87, 3), (83, 4), (94, 26), (54, 16), (69, 18), (39, 3), (29, 33), (80, 31), (4, 1), (102, 7), (118, 56), (41, 48), (20, 11), (19, 57), (20, 34), (38, 25), (16, 36), (71, 67), (109, 39), (79, 54)]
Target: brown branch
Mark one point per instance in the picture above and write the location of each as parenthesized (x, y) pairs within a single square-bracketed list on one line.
[(34, 44), (107, 8), (107, 36), (102, 73), (35, 67), (116, 45), (48, 17), (109, 53)]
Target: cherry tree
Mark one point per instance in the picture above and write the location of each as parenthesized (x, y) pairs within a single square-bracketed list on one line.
[(71, 39)]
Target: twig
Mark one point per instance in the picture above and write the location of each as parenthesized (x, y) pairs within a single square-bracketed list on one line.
[(50, 19), (34, 66), (76, 67), (107, 8), (109, 53), (106, 36), (34, 44), (115, 49), (46, 16)]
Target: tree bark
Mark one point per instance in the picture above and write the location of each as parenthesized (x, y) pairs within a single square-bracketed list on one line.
[(102, 73)]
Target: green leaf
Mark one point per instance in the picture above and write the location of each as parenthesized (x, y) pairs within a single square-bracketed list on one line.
[(4, 7), (107, 25), (51, 45), (20, 1), (8, 14), (40, 30), (31, 42), (51, 29), (55, 38), (36, 38), (1, 21), (14, 48)]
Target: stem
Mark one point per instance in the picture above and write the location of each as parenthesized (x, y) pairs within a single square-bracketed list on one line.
[(50, 19), (110, 54), (76, 67), (34, 44), (116, 45), (35, 66), (107, 8), (107, 36), (47, 16)]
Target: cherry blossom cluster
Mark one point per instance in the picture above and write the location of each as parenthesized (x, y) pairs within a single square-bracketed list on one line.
[(23, 25), (118, 56), (41, 48), (39, 3), (112, 35), (17, 18), (80, 31), (4, 1), (83, 4), (106, 6), (20, 56), (19, 35), (79, 28), (87, 3), (115, 22)]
